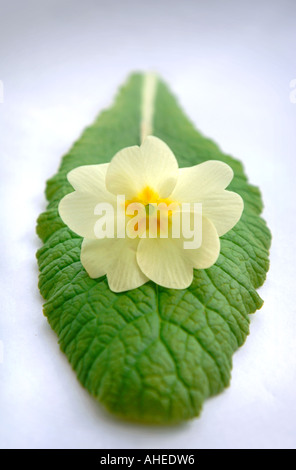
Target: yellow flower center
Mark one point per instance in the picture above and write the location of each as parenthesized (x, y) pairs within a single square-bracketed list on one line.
[(148, 196), (155, 207)]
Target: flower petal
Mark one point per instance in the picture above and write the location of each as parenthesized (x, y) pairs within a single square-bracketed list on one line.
[(91, 179), (117, 259), (224, 209), (194, 183), (134, 168), (207, 254), (122, 176), (95, 256), (166, 261), (161, 165), (163, 260), (77, 210)]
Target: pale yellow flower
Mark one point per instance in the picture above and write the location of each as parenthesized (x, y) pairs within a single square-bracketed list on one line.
[(149, 175)]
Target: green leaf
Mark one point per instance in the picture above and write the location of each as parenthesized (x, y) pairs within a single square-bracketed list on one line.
[(151, 354)]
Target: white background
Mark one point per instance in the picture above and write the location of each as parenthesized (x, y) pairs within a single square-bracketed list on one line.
[(230, 63)]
